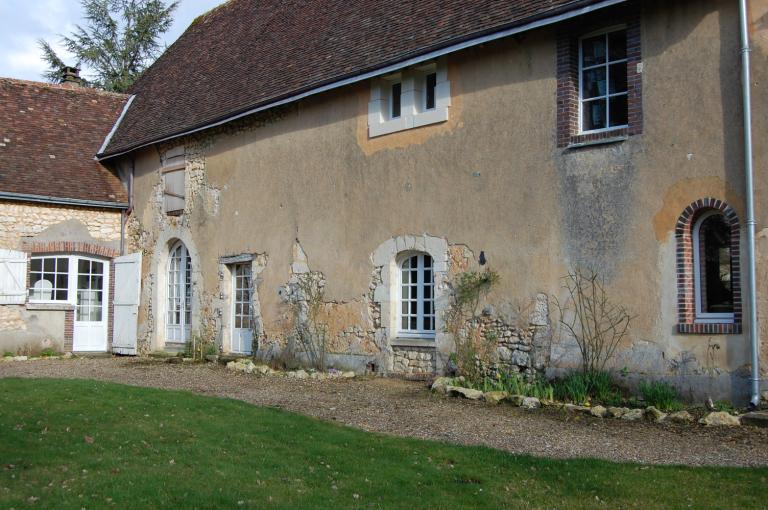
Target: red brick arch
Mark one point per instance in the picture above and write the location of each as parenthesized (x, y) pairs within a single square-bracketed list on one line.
[(71, 247), (686, 301)]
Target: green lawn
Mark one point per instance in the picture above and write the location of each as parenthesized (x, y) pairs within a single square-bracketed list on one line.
[(86, 444)]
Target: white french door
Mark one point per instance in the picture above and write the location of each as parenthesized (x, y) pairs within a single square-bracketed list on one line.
[(90, 327), (179, 317), (242, 333)]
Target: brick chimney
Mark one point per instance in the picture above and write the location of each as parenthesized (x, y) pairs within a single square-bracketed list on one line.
[(71, 77)]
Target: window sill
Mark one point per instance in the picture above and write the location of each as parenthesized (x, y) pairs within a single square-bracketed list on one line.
[(408, 121), (581, 141), (412, 342), (718, 328), (64, 307)]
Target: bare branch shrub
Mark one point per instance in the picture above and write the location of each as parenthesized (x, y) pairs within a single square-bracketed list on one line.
[(588, 315), (309, 333), (474, 348)]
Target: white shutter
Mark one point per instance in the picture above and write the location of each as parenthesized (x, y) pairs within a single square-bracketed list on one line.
[(174, 190), (13, 277), (126, 303)]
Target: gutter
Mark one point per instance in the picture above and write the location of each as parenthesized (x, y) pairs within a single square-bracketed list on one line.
[(754, 333), (117, 125), (469, 43), (24, 197)]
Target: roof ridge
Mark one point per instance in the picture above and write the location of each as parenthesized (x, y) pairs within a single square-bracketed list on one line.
[(60, 86)]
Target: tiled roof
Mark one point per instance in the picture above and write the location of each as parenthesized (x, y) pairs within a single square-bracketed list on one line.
[(249, 53), (49, 135)]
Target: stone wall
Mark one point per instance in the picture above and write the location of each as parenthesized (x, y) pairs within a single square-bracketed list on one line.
[(20, 220), (414, 360)]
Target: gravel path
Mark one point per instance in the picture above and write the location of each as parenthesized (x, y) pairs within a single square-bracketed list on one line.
[(406, 408)]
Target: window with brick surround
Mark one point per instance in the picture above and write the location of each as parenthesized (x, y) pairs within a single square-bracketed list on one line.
[(708, 272), (599, 80)]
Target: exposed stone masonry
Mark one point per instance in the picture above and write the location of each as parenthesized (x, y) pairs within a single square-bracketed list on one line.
[(19, 220), (414, 360)]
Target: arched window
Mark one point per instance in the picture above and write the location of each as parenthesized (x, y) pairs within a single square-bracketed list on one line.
[(178, 326), (417, 297), (712, 268), (708, 274)]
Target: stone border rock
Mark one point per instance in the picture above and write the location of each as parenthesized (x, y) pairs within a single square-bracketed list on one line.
[(8, 359), (247, 366), (449, 386)]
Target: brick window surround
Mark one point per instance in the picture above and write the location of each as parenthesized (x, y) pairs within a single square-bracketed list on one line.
[(568, 129), (686, 300)]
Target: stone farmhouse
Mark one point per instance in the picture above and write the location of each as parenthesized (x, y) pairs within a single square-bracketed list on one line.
[(60, 216), (386, 147)]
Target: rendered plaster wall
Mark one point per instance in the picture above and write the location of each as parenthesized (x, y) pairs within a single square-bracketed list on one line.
[(490, 180)]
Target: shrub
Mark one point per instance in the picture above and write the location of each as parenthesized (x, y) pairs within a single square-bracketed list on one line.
[(48, 352), (514, 384), (723, 406), (573, 388), (580, 387), (474, 348), (8, 354), (591, 318), (660, 395)]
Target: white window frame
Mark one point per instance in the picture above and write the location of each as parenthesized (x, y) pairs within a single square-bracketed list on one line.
[(604, 32), (413, 111), (419, 332), (71, 278), (701, 316), (180, 286)]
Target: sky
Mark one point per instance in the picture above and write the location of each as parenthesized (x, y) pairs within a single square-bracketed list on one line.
[(23, 22)]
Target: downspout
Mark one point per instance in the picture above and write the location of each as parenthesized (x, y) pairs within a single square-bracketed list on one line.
[(754, 333)]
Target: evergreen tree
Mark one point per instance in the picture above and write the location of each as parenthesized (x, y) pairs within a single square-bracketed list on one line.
[(120, 40)]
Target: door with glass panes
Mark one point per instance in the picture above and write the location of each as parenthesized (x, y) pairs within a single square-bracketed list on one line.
[(242, 333), (179, 317), (90, 326)]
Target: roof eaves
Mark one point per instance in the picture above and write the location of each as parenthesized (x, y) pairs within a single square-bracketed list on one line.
[(524, 25)]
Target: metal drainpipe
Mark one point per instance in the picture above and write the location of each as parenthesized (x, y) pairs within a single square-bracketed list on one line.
[(754, 333)]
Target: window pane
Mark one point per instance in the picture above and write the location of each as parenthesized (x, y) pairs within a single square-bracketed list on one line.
[(618, 77), (428, 292), (619, 111), (414, 326), (36, 265), (406, 276), (594, 115), (62, 265), (62, 295), (593, 84), (404, 323), (395, 99), (593, 51), (62, 281), (715, 237), (617, 45), (49, 265), (404, 308), (427, 261), (406, 292), (428, 307), (427, 276), (430, 95), (83, 266), (414, 309), (429, 324)]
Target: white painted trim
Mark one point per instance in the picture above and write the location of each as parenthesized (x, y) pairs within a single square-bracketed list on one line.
[(704, 317), (382, 71), (607, 96), (117, 124)]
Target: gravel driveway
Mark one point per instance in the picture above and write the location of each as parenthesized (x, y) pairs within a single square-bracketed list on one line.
[(409, 409)]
